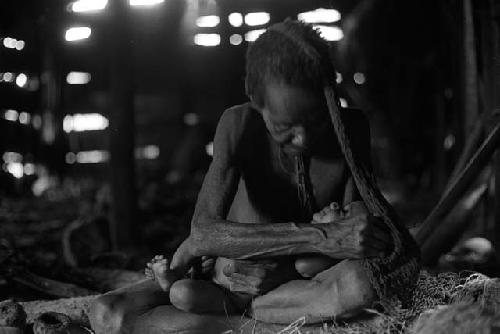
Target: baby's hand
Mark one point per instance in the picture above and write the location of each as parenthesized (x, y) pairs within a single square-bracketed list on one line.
[(329, 214)]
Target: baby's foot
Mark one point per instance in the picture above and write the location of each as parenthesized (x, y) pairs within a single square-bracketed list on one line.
[(329, 214), (158, 270)]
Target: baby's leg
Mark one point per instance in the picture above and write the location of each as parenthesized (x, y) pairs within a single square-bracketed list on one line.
[(310, 265), (205, 297)]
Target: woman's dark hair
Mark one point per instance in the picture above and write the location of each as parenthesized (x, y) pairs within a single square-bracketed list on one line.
[(283, 53)]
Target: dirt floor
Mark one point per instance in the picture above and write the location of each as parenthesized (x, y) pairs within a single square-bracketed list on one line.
[(57, 246)]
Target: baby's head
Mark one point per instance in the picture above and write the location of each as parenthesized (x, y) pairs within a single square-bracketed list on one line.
[(285, 75)]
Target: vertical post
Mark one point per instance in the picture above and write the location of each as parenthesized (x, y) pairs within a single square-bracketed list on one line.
[(51, 97), (470, 69), (494, 19), (121, 129)]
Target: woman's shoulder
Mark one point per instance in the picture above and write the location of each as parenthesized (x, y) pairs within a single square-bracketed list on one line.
[(240, 115)]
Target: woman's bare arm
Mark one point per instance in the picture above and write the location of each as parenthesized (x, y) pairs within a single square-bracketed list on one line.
[(213, 235)]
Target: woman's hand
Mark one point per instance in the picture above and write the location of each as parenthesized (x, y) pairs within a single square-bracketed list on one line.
[(357, 237), (184, 257)]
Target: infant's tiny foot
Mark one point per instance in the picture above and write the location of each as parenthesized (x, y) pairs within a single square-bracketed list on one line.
[(158, 270)]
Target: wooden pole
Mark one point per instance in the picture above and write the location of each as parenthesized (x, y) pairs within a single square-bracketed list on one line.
[(470, 68), (470, 147), (453, 226), (461, 184), (121, 128), (494, 26)]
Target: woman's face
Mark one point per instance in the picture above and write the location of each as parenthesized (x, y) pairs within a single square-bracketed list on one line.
[(295, 117)]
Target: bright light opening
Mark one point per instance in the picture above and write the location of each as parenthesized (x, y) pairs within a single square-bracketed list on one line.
[(92, 157), (145, 2), (235, 19), (16, 169), (8, 77), (149, 152), (209, 148), (449, 141), (10, 157), (207, 39), (78, 78), (343, 102), (331, 34), (235, 39), (84, 122), (82, 6), (359, 78), (29, 169), (20, 45), (320, 15), (191, 119), (208, 21), (9, 43), (21, 80), (70, 158), (252, 35), (338, 77), (257, 19), (33, 84), (77, 33), (37, 122), (24, 118), (11, 115)]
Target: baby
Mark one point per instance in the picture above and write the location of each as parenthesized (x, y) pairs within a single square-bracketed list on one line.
[(210, 296)]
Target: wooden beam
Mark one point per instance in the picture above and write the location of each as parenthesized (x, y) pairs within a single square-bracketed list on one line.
[(471, 105), (461, 184), (121, 128), (453, 226)]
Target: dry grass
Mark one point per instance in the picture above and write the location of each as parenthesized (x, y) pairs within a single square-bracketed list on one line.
[(446, 303)]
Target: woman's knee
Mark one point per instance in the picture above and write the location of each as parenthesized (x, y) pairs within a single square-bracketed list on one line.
[(354, 289), (183, 295)]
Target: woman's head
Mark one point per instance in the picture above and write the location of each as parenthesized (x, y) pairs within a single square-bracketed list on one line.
[(286, 69)]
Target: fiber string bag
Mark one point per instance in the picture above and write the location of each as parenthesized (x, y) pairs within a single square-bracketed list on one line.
[(393, 277)]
